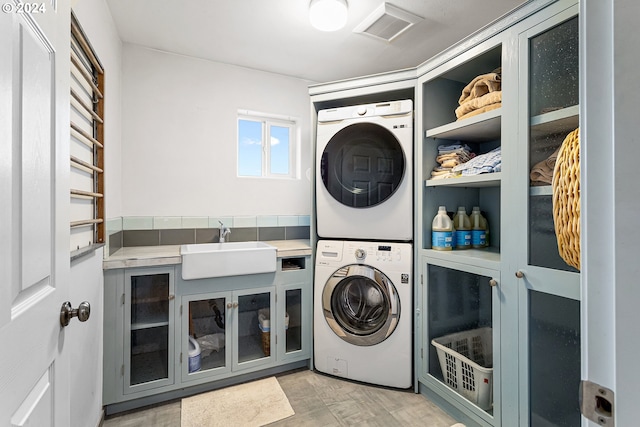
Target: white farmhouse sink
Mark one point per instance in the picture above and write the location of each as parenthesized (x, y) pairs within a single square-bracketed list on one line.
[(204, 260)]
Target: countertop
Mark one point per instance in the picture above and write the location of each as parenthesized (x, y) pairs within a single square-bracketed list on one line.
[(148, 256)]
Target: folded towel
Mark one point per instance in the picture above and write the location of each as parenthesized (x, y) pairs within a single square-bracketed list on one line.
[(483, 163), (480, 110), (481, 85), (476, 103), (453, 148), (542, 172)]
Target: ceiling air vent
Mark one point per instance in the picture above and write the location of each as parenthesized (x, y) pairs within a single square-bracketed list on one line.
[(387, 22)]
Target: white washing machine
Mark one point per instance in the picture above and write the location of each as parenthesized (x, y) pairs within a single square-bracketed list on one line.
[(363, 309), (364, 172)]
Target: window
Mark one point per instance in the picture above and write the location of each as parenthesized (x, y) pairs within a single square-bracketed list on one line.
[(86, 143), (267, 145)]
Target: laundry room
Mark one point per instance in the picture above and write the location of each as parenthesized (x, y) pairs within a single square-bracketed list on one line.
[(381, 218)]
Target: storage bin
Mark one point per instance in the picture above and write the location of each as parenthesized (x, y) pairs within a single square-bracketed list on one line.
[(264, 323), (466, 360)]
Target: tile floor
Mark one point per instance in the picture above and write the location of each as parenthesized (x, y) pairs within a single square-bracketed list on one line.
[(320, 400)]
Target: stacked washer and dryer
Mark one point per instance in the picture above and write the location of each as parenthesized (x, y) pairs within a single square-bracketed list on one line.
[(363, 292)]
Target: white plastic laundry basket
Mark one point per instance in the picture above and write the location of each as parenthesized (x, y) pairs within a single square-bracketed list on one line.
[(466, 360)]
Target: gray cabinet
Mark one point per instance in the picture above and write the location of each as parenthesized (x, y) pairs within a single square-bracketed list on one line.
[(548, 287), (139, 332), (518, 286), (148, 301), (166, 337), (461, 316), (221, 332), (459, 300)]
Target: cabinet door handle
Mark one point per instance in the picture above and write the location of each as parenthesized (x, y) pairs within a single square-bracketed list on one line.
[(171, 297), (519, 274), (235, 304), (493, 282), (229, 305)]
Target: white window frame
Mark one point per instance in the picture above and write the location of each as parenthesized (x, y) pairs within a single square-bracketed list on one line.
[(267, 120)]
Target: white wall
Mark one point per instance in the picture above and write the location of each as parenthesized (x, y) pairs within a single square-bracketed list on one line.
[(85, 339), (179, 137)]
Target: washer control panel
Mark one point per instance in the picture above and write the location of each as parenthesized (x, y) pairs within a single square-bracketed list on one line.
[(337, 252), (381, 252)]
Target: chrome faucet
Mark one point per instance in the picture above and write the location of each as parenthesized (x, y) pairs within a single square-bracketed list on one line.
[(224, 232)]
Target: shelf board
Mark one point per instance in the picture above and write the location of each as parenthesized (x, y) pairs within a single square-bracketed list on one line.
[(152, 323), (483, 127), (482, 180), (559, 121), (542, 190), (484, 258)]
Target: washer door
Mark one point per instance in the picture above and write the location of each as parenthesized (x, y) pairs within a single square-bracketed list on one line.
[(361, 305), (362, 165)]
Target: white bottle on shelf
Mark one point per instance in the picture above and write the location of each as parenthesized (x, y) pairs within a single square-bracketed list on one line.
[(478, 229), (462, 224), (442, 231)]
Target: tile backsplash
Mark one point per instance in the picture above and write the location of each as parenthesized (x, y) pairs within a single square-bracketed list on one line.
[(153, 231)]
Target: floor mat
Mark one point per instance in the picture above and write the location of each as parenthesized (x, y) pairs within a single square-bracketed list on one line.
[(251, 404)]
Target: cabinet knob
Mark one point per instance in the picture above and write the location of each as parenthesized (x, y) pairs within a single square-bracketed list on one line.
[(519, 274), (171, 297), (235, 305), (229, 305), (493, 282)]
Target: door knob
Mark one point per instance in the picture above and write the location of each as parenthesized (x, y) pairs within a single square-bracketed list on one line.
[(67, 313)]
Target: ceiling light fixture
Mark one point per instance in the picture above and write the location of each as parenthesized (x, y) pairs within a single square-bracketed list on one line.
[(328, 15)]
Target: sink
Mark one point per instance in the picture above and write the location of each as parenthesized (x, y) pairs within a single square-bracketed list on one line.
[(204, 260)]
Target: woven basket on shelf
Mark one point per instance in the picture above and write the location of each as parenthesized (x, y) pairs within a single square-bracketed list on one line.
[(566, 199)]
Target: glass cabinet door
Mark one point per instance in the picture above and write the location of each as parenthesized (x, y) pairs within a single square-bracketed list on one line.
[(293, 320), (205, 349), (294, 330), (548, 287), (253, 323), (462, 307), (148, 330)]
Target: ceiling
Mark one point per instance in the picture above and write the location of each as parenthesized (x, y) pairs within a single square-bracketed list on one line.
[(275, 35)]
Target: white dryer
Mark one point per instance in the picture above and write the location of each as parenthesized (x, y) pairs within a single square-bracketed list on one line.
[(364, 172), (363, 308)]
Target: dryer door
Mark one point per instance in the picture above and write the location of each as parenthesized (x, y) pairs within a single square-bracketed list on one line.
[(361, 305), (362, 165)]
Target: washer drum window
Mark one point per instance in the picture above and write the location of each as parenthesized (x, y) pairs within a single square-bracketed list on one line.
[(361, 305)]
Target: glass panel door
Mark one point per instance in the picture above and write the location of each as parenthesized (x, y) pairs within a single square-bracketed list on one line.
[(548, 287), (462, 352), (149, 337), (204, 348), (293, 320), (254, 321)]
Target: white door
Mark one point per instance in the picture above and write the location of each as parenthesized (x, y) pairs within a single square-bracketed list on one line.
[(34, 220)]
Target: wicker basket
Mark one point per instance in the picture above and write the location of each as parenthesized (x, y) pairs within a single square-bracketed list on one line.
[(266, 343), (566, 199)]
